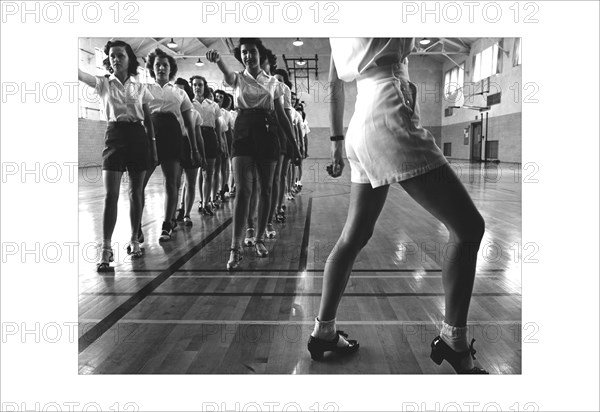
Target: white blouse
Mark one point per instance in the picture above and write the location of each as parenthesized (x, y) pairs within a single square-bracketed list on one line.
[(353, 56)]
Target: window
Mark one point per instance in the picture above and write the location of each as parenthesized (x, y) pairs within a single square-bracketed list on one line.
[(454, 80), (487, 63), (100, 56), (447, 149), (517, 52)]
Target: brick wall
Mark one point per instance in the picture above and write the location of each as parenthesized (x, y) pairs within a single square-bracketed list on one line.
[(91, 142)]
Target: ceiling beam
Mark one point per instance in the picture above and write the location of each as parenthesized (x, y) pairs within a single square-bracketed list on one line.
[(455, 44)]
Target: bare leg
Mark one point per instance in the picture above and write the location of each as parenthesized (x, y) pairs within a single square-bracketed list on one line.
[(136, 200), (190, 190), (365, 206), (443, 195), (201, 185), (216, 178), (147, 177), (253, 203), (172, 175), (275, 190), (112, 184), (266, 170), (224, 174), (244, 171), (208, 180), (285, 167)]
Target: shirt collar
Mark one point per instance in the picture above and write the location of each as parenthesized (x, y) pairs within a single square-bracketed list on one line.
[(132, 79), (260, 73)]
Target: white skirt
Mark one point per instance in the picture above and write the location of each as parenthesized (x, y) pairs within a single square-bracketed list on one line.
[(385, 142)]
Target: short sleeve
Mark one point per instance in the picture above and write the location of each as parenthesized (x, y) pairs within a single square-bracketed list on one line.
[(287, 97), (217, 110), (278, 92), (197, 118), (147, 96), (224, 122), (186, 103), (101, 84)]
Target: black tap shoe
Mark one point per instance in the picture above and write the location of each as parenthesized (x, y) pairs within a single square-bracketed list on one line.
[(440, 351), (317, 346)]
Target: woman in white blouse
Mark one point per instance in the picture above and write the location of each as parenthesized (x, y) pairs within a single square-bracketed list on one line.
[(129, 144), (255, 146), (171, 111)]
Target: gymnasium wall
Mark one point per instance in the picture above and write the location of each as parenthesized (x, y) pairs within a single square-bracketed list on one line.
[(504, 119), (425, 72)]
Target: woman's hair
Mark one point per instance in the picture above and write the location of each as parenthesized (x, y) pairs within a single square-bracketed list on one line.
[(272, 59), (133, 63), (159, 54), (206, 90), (262, 50), (186, 87), (232, 107), (226, 101), (286, 78)]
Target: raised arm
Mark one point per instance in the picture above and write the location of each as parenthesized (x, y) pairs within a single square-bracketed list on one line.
[(213, 56), (86, 78)]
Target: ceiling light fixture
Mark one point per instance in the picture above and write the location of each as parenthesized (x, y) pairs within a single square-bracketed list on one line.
[(298, 42), (199, 63), (171, 44), (301, 62), (424, 41)]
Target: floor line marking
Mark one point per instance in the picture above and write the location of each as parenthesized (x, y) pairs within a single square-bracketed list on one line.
[(105, 324), (294, 322)]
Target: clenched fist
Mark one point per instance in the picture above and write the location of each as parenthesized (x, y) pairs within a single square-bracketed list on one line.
[(213, 56)]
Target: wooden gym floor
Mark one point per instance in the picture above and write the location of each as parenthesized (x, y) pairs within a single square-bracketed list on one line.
[(177, 310)]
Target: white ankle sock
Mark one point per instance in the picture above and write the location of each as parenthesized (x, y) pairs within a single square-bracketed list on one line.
[(456, 338), (326, 330)]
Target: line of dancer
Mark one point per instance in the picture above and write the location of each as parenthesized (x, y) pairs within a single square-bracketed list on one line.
[(256, 152)]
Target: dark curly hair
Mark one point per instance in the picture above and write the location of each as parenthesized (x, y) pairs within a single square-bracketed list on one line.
[(158, 53), (232, 107), (186, 87), (133, 63), (226, 102), (262, 50), (286, 78), (272, 59), (206, 91)]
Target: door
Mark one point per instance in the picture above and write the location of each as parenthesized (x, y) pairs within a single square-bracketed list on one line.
[(476, 141)]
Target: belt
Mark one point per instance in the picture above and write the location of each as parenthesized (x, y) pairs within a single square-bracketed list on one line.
[(254, 111), (125, 123)]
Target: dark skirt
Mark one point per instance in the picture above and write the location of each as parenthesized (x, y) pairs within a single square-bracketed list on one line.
[(169, 139), (126, 147), (209, 136), (255, 135)]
